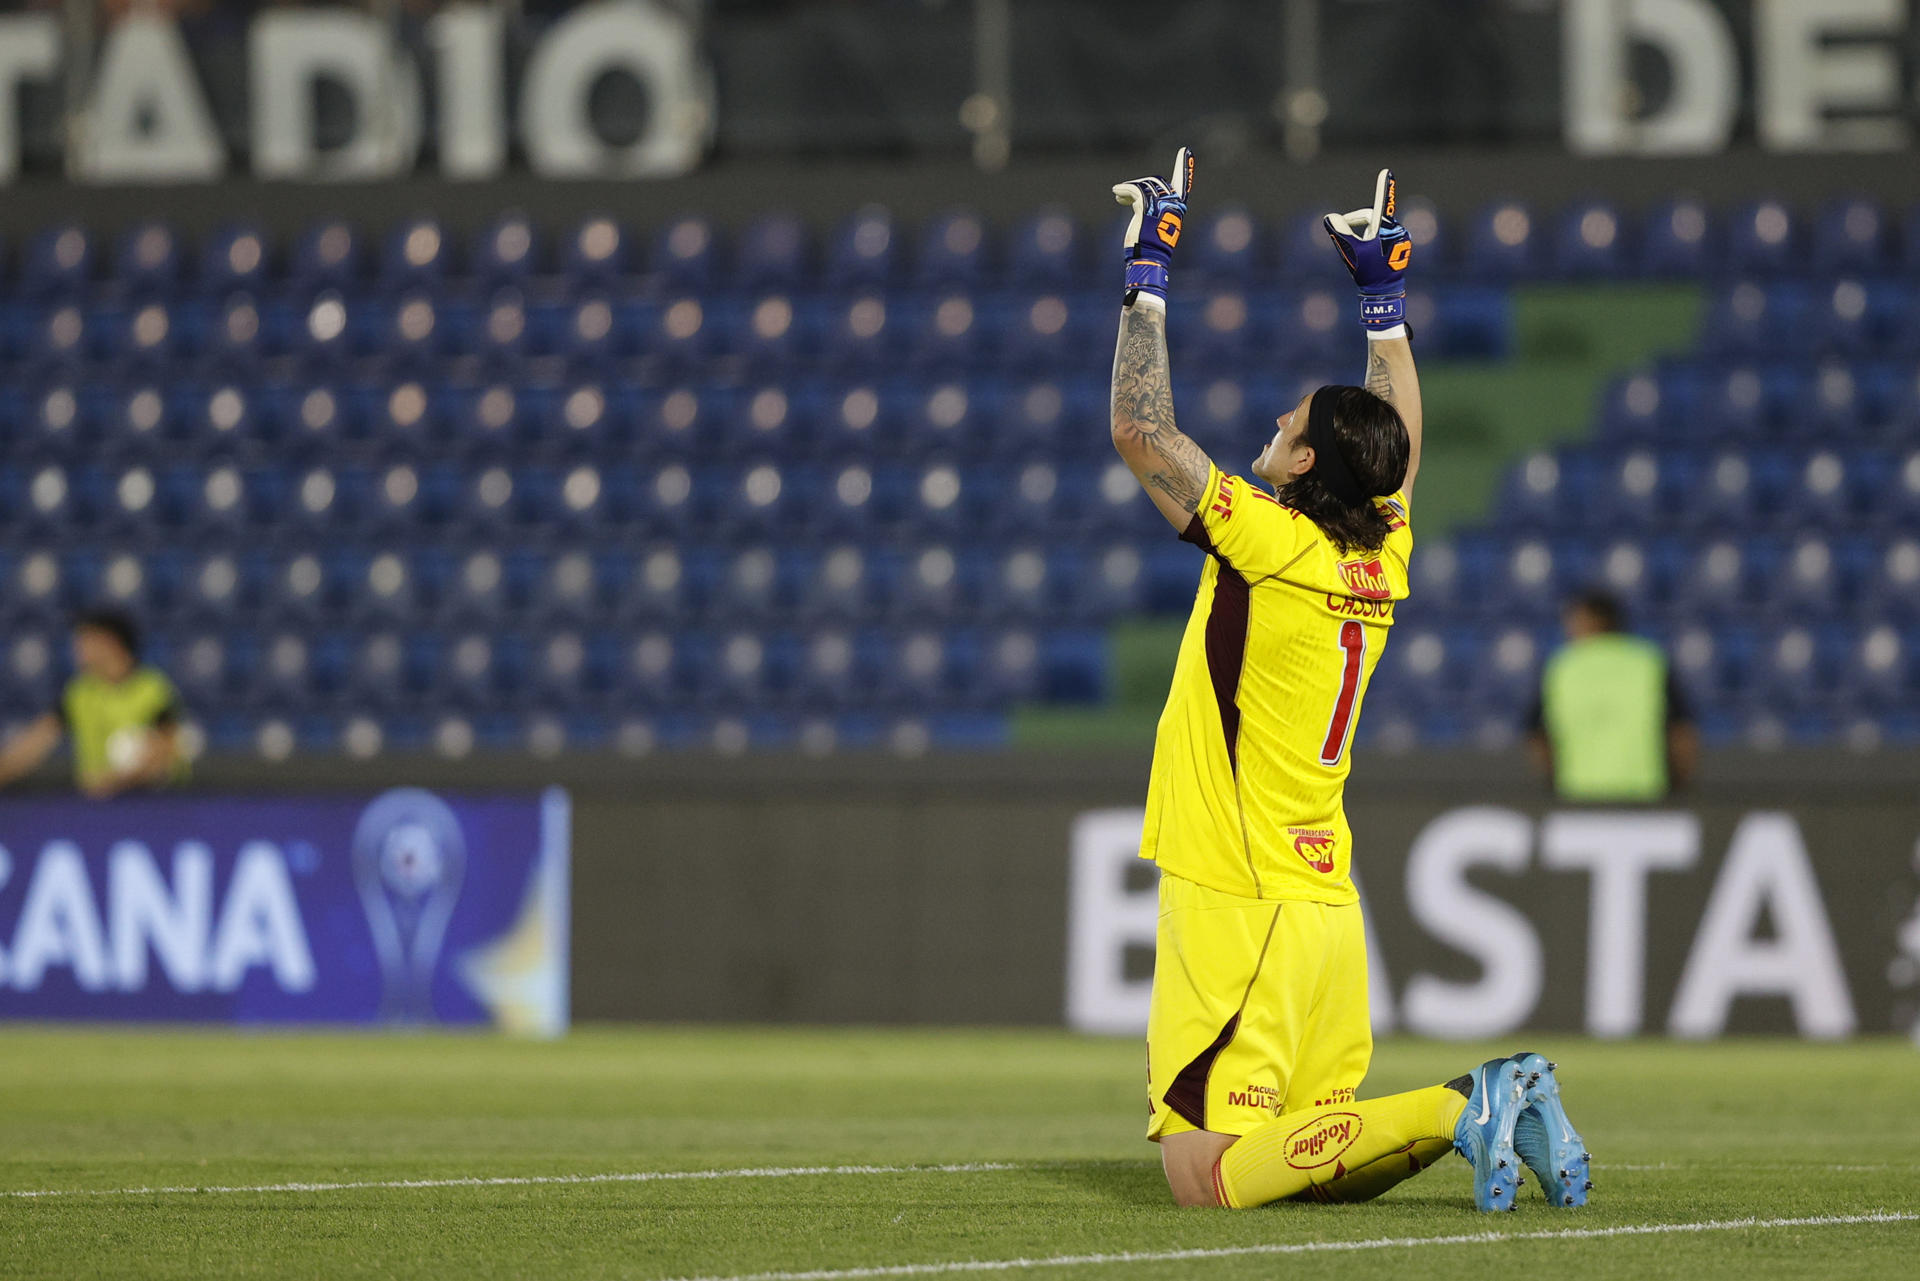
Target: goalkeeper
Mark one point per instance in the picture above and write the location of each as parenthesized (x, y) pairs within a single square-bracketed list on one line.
[(1258, 1033)]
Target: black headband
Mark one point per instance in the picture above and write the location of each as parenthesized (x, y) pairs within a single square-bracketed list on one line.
[(1328, 462)]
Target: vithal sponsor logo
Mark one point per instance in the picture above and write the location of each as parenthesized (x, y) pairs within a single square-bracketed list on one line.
[(206, 937)]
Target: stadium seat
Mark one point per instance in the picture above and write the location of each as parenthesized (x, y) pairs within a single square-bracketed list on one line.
[(146, 259), (686, 253), (326, 256), (773, 256), (1763, 239), (1504, 242), (952, 252), (417, 253), (1590, 241), (1226, 249), (1850, 236), (595, 252), (58, 262), (234, 258), (1046, 252), (1675, 240), (506, 251), (1305, 251), (861, 251)]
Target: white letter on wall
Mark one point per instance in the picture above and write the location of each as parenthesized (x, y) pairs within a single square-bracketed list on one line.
[(472, 116), (1104, 919), (1618, 851), (1693, 38), (1797, 78), (142, 912), (1766, 872), (1488, 929), (29, 50), (59, 923), (148, 120), (652, 44), (287, 51)]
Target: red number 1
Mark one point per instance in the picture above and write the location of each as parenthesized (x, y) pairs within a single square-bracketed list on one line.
[(1353, 644)]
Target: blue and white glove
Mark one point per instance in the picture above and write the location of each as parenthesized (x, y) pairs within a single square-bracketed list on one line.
[(1377, 250), (1159, 208)]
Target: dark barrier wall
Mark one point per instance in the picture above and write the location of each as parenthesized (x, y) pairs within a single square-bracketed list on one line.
[(880, 891)]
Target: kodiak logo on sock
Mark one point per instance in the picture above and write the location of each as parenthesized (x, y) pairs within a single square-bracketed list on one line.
[(1322, 1140)]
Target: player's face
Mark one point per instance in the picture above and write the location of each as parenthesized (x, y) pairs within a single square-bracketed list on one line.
[(99, 654), (1287, 454)]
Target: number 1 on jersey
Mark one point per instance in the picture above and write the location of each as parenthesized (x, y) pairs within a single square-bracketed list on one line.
[(1353, 647)]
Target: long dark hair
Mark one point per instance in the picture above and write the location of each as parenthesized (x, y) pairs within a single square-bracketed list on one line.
[(1373, 440)]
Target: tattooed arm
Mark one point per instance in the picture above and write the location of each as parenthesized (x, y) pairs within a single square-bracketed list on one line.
[(1173, 469), (1391, 376)]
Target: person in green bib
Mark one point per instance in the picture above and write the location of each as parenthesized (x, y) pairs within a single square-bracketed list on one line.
[(1611, 723), (122, 714)]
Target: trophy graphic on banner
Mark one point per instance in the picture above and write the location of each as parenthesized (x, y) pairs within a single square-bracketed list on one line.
[(409, 858)]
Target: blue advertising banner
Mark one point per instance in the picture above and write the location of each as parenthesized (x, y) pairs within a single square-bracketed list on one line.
[(406, 908)]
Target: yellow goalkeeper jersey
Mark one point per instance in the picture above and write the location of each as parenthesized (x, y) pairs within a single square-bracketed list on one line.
[(1251, 758)]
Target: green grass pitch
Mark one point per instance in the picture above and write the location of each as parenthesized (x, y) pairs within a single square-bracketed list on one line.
[(509, 1143)]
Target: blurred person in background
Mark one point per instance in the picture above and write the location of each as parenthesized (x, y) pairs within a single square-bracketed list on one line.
[(123, 715), (1611, 723)]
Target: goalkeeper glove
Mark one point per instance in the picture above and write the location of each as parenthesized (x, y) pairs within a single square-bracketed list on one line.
[(1376, 249), (1159, 208)]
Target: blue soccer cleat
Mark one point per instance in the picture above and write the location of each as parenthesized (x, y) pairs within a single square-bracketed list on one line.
[(1484, 1134), (1546, 1139)]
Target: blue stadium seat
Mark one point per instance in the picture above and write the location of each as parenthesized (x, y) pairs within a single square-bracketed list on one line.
[(503, 337), (686, 253), (835, 668), (861, 251), (948, 337), (417, 253), (1676, 240), (1221, 342), (932, 585), (1749, 319), (1305, 251), (506, 251), (58, 262), (773, 256), (1590, 241), (1226, 247), (1850, 235), (952, 252), (1763, 238), (234, 258), (776, 334), (327, 255), (915, 669), (1504, 241), (863, 335), (840, 584), (147, 257), (1046, 252), (595, 252), (681, 334)]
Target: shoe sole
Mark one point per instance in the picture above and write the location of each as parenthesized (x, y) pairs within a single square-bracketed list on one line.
[(1568, 1178)]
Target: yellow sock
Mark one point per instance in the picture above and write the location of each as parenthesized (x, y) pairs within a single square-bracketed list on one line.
[(1319, 1146), (1369, 1181)]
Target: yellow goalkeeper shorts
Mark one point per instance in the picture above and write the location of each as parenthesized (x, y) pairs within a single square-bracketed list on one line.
[(1259, 1008)]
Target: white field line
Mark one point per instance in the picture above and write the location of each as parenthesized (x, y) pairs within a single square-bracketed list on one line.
[(517, 1181), (777, 1172), (1808, 1166), (1317, 1247)]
